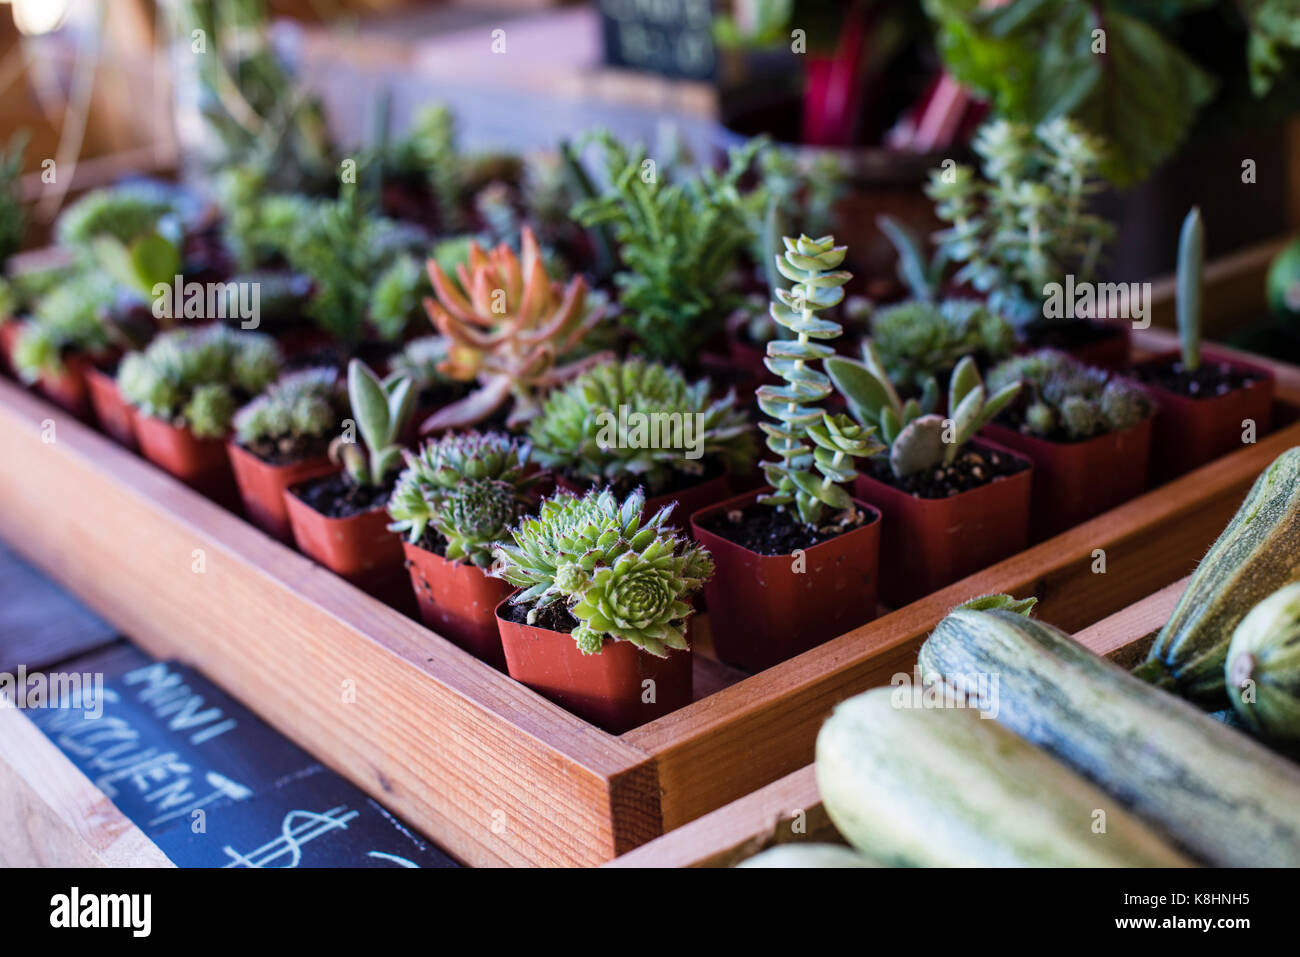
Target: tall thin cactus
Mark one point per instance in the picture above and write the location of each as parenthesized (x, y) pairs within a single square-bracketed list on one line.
[(1191, 264), (809, 477)]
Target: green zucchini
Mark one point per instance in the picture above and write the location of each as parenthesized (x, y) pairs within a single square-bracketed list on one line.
[(1257, 553), (1263, 668), (808, 855), (1225, 798), (944, 787)]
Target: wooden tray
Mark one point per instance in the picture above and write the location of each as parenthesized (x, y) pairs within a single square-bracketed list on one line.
[(790, 809), (489, 770)]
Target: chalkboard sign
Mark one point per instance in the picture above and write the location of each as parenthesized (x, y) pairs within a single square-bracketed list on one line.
[(669, 37)]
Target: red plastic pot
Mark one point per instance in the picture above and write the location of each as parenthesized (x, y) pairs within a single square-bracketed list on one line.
[(67, 388), (459, 601), (1190, 432), (688, 500), (933, 542), (764, 609), (115, 415), (1073, 481), (9, 333), (605, 689), (359, 547), (262, 484), (201, 464), (1109, 353)]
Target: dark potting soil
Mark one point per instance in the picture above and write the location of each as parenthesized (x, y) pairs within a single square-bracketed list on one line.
[(625, 485), (334, 496), (289, 449), (766, 530), (1210, 380), (1066, 334), (554, 616), (433, 541), (973, 468)]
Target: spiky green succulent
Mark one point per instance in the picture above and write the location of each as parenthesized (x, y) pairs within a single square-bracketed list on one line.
[(470, 487), (917, 339), (1064, 398), (307, 404), (396, 301), (622, 578), (198, 377), (123, 213), (66, 319), (641, 420)]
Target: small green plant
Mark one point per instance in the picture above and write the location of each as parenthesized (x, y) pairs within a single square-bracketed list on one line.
[(397, 298), (469, 487), (13, 214), (198, 378), (917, 340), (1023, 223), (131, 233), (678, 244), (65, 320), (809, 477), (621, 578), (639, 422), (380, 412), (1062, 397), (917, 437), (1191, 269), (420, 361), (923, 277), (299, 410)]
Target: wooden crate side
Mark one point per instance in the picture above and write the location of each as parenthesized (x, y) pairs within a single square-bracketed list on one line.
[(493, 772), (759, 729), (52, 815)]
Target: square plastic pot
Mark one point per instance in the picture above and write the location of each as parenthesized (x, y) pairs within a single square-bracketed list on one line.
[(1075, 481), (262, 484), (115, 415), (933, 542), (1188, 432), (201, 464), (359, 548), (764, 609), (606, 689), (459, 601), (67, 388)]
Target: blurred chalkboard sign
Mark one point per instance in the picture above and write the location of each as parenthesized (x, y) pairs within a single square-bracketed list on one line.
[(672, 38)]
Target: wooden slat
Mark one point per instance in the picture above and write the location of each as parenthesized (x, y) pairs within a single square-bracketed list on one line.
[(497, 774), (52, 815)]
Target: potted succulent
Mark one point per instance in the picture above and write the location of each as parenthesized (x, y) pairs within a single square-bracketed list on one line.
[(1087, 431), (130, 325), (637, 423), (341, 519), (919, 340), (185, 388), (282, 438), (598, 624), (951, 506), (456, 498), (1207, 400), (796, 563)]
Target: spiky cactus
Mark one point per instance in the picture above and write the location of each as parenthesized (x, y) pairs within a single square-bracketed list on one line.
[(808, 476), (622, 578), (469, 487), (1191, 267), (640, 421), (1063, 397)]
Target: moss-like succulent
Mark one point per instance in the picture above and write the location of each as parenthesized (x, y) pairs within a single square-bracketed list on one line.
[(67, 319), (122, 212), (199, 377), (1063, 398), (380, 412), (296, 408), (918, 438), (622, 578), (470, 487), (397, 297), (639, 420), (917, 339), (809, 477)]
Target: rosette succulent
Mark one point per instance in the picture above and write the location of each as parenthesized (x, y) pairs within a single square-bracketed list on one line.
[(199, 377), (469, 487), (621, 578), (641, 422), (297, 412), (918, 339), (1064, 399)]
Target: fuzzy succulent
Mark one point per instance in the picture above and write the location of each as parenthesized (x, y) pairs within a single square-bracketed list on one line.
[(198, 377), (131, 233), (68, 318), (302, 405), (470, 487), (641, 421), (380, 412), (508, 325), (918, 438), (918, 339), (1063, 398), (1023, 223), (809, 477), (622, 578)]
